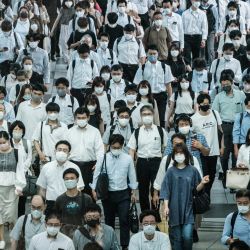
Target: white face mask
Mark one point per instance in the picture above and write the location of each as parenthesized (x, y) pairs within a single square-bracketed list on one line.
[(184, 130), (175, 4), (99, 90), (174, 53), (82, 30), (117, 78), (34, 27), (147, 120), (82, 122), (128, 36), (232, 28), (228, 57), (236, 43), (33, 45), (115, 152), (17, 135), (105, 76), (104, 45), (36, 214), (123, 121), (243, 209), (53, 116), (149, 229), (158, 23), (61, 156), (179, 158), (196, 4), (1, 115), (143, 91), (167, 11), (112, 25), (184, 85), (131, 98), (27, 67), (80, 14), (91, 108), (53, 231), (70, 184), (246, 87), (68, 4), (122, 10), (232, 13), (92, 5)]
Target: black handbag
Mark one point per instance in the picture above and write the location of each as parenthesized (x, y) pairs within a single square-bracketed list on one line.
[(201, 202), (102, 184), (31, 187), (133, 219)]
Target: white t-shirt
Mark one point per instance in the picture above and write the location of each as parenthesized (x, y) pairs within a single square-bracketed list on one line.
[(105, 107), (207, 125), (184, 103)]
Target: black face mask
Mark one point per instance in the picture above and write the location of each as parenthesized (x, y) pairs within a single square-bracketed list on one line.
[(93, 223), (204, 108), (24, 14), (227, 88)]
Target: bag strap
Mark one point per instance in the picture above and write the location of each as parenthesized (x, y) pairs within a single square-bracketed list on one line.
[(168, 162), (136, 137), (85, 233), (112, 129), (72, 103), (25, 145), (17, 90), (160, 130), (104, 166), (233, 219), (41, 142), (24, 224), (216, 67), (16, 154)]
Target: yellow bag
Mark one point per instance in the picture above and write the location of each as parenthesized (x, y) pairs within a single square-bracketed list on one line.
[(163, 225)]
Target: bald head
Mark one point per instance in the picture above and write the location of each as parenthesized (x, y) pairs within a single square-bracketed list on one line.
[(37, 203)]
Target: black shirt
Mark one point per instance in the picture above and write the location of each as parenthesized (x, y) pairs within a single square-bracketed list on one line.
[(72, 208), (114, 33)]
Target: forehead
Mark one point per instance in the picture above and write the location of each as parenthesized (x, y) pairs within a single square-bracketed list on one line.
[(53, 220), (148, 218), (63, 146)]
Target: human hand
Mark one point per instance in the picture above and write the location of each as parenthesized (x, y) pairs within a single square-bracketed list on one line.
[(205, 179), (196, 144), (94, 195), (155, 199), (203, 44)]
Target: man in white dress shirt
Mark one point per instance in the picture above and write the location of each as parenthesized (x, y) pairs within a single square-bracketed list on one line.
[(87, 146)]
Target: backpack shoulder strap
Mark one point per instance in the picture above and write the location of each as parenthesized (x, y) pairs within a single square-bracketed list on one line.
[(111, 55), (168, 161), (193, 97), (72, 102), (108, 85), (191, 160), (137, 137), (53, 99), (131, 125), (16, 154), (117, 42), (17, 90), (112, 129), (16, 42), (25, 145), (129, 19), (109, 98), (5, 80), (216, 67), (73, 64), (74, 24), (92, 64), (233, 219), (85, 233), (175, 98), (163, 67), (160, 130), (24, 224), (142, 68), (241, 119), (215, 116)]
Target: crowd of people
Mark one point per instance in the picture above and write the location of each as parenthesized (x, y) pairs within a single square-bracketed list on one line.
[(156, 101)]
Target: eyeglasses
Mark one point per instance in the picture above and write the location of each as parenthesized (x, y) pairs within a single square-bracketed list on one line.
[(149, 223), (53, 224), (94, 217)]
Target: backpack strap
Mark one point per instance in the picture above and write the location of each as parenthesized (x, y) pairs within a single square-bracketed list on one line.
[(92, 64), (16, 42), (112, 129), (24, 224), (117, 42), (86, 234), (111, 55), (136, 137), (109, 98), (192, 94), (25, 145), (53, 99), (74, 24), (17, 90), (129, 19), (191, 160), (168, 162), (175, 98), (72, 102), (160, 130), (107, 85), (163, 65), (233, 219), (216, 67), (16, 154), (5, 80), (131, 125)]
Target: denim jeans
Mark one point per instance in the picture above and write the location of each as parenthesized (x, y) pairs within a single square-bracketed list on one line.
[(181, 237)]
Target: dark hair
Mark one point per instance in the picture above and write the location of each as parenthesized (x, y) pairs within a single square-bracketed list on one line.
[(63, 142), (157, 13), (243, 193), (5, 135), (146, 213), (168, 1), (121, 1), (93, 207), (152, 47), (64, 6), (149, 95), (132, 87), (52, 106), (96, 81), (92, 246), (226, 77), (183, 117), (201, 97), (103, 34), (62, 80), (83, 48), (247, 138), (105, 68), (228, 46), (114, 138), (18, 124), (112, 17), (34, 36), (39, 87), (147, 107), (3, 90), (232, 4), (183, 148), (123, 110), (15, 67), (247, 100), (22, 92), (117, 67), (199, 63), (21, 72), (178, 135), (239, 245), (27, 58), (246, 78), (119, 104), (235, 33), (71, 171), (53, 214), (234, 21), (81, 111), (175, 46), (93, 99), (82, 22), (6, 25), (227, 72), (180, 78)]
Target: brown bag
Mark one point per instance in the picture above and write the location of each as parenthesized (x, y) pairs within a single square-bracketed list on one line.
[(21, 241)]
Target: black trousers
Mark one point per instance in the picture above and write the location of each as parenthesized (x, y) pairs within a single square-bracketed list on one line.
[(118, 202), (54, 42), (192, 44), (80, 94), (144, 20), (87, 174), (229, 147), (146, 173), (161, 100), (50, 206), (209, 168), (129, 71)]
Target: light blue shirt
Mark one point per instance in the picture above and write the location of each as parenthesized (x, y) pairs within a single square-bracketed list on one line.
[(199, 81), (240, 128), (9, 112), (229, 105), (241, 229), (120, 169)]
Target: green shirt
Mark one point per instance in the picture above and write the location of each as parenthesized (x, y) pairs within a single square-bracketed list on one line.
[(229, 105)]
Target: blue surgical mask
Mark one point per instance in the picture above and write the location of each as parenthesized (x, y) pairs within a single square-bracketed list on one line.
[(152, 58)]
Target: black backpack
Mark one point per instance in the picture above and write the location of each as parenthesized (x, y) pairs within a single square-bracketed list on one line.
[(233, 219), (163, 65), (112, 129), (210, 18), (209, 78), (120, 38), (108, 84), (71, 99)]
